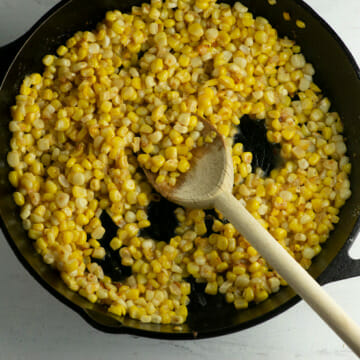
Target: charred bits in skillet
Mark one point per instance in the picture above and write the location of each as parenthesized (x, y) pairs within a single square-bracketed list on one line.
[(111, 263), (163, 223), (210, 216), (252, 134), (199, 299), (163, 220)]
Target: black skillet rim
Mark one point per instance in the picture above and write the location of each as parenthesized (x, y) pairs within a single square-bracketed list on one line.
[(326, 276)]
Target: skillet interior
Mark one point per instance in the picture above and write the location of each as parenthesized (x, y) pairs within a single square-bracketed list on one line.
[(337, 75)]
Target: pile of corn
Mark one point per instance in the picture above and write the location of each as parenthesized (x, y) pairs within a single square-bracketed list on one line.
[(131, 93)]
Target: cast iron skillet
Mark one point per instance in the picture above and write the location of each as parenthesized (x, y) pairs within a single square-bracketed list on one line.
[(338, 76)]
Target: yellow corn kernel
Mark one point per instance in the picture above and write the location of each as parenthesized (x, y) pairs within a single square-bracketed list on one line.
[(224, 129), (132, 294), (62, 124), (222, 243), (176, 137), (211, 288), (48, 60), (253, 205), (286, 16), (317, 204), (158, 161), (243, 170), (14, 178), (300, 24), (157, 65), (129, 93), (288, 134), (251, 251), (106, 106), (254, 267), (117, 309), (158, 113), (184, 165), (184, 60), (241, 303), (261, 296), (19, 199), (62, 50), (193, 269), (247, 19), (295, 226), (261, 37), (237, 149), (227, 82), (249, 294), (200, 228), (239, 270), (222, 267), (196, 30), (280, 233), (160, 179), (40, 243)]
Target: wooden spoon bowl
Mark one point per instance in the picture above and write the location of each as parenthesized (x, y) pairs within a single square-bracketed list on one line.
[(211, 171)]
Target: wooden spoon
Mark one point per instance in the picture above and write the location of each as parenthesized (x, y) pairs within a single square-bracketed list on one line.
[(209, 184)]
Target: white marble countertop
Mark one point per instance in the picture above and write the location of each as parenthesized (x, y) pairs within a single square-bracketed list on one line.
[(35, 325)]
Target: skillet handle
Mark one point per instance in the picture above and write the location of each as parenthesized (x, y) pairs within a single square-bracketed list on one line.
[(343, 266)]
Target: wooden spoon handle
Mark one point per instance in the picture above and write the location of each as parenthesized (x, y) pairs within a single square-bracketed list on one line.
[(298, 278)]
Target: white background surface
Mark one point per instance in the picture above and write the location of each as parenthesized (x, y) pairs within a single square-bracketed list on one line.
[(34, 325)]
